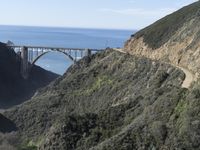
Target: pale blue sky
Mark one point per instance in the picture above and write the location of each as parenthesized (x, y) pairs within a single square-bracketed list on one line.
[(117, 14)]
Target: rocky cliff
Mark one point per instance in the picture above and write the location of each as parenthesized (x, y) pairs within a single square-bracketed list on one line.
[(174, 39), (13, 88)]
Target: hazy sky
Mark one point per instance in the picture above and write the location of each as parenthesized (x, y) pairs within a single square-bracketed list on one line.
[(121, 14)]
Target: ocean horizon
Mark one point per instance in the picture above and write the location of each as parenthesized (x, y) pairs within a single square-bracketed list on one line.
[(63, 37)]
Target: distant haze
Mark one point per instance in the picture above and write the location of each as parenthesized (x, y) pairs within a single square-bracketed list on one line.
[(115, 14)]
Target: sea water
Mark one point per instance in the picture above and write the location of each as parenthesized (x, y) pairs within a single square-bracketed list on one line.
[(62, 37)]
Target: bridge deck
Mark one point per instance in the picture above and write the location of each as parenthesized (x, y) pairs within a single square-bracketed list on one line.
[(30, 54), (54, 48)]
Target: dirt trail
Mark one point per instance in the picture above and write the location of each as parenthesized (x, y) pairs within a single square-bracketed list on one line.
[(189, 77)]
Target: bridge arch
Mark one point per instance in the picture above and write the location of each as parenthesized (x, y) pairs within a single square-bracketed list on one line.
[(25, 52), (39, 56)]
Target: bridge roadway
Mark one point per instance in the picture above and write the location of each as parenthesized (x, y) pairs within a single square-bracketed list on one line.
[(31, 54), (46, 47)]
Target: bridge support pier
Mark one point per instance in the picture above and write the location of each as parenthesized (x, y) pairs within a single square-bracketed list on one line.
[(88, 52), (24, 63), (28, 58)]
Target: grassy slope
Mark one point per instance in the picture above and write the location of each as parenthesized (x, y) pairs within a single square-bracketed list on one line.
[(161, 31)]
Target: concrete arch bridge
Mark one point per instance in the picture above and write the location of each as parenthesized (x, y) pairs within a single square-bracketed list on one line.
[(31, 54)]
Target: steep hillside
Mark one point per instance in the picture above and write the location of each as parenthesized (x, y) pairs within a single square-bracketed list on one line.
[(112, 101), (13, 88), (174, 39), (117, 101), (9, 139)]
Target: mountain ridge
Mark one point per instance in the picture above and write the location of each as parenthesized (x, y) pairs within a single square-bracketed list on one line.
[(171, 40)]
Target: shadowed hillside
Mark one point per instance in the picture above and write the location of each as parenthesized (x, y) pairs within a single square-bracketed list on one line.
[(6, 125), (13, 88)]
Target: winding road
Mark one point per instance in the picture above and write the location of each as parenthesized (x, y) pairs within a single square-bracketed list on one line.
[(189, 77)]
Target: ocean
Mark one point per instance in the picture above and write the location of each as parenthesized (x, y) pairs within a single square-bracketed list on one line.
[(62, 37)]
